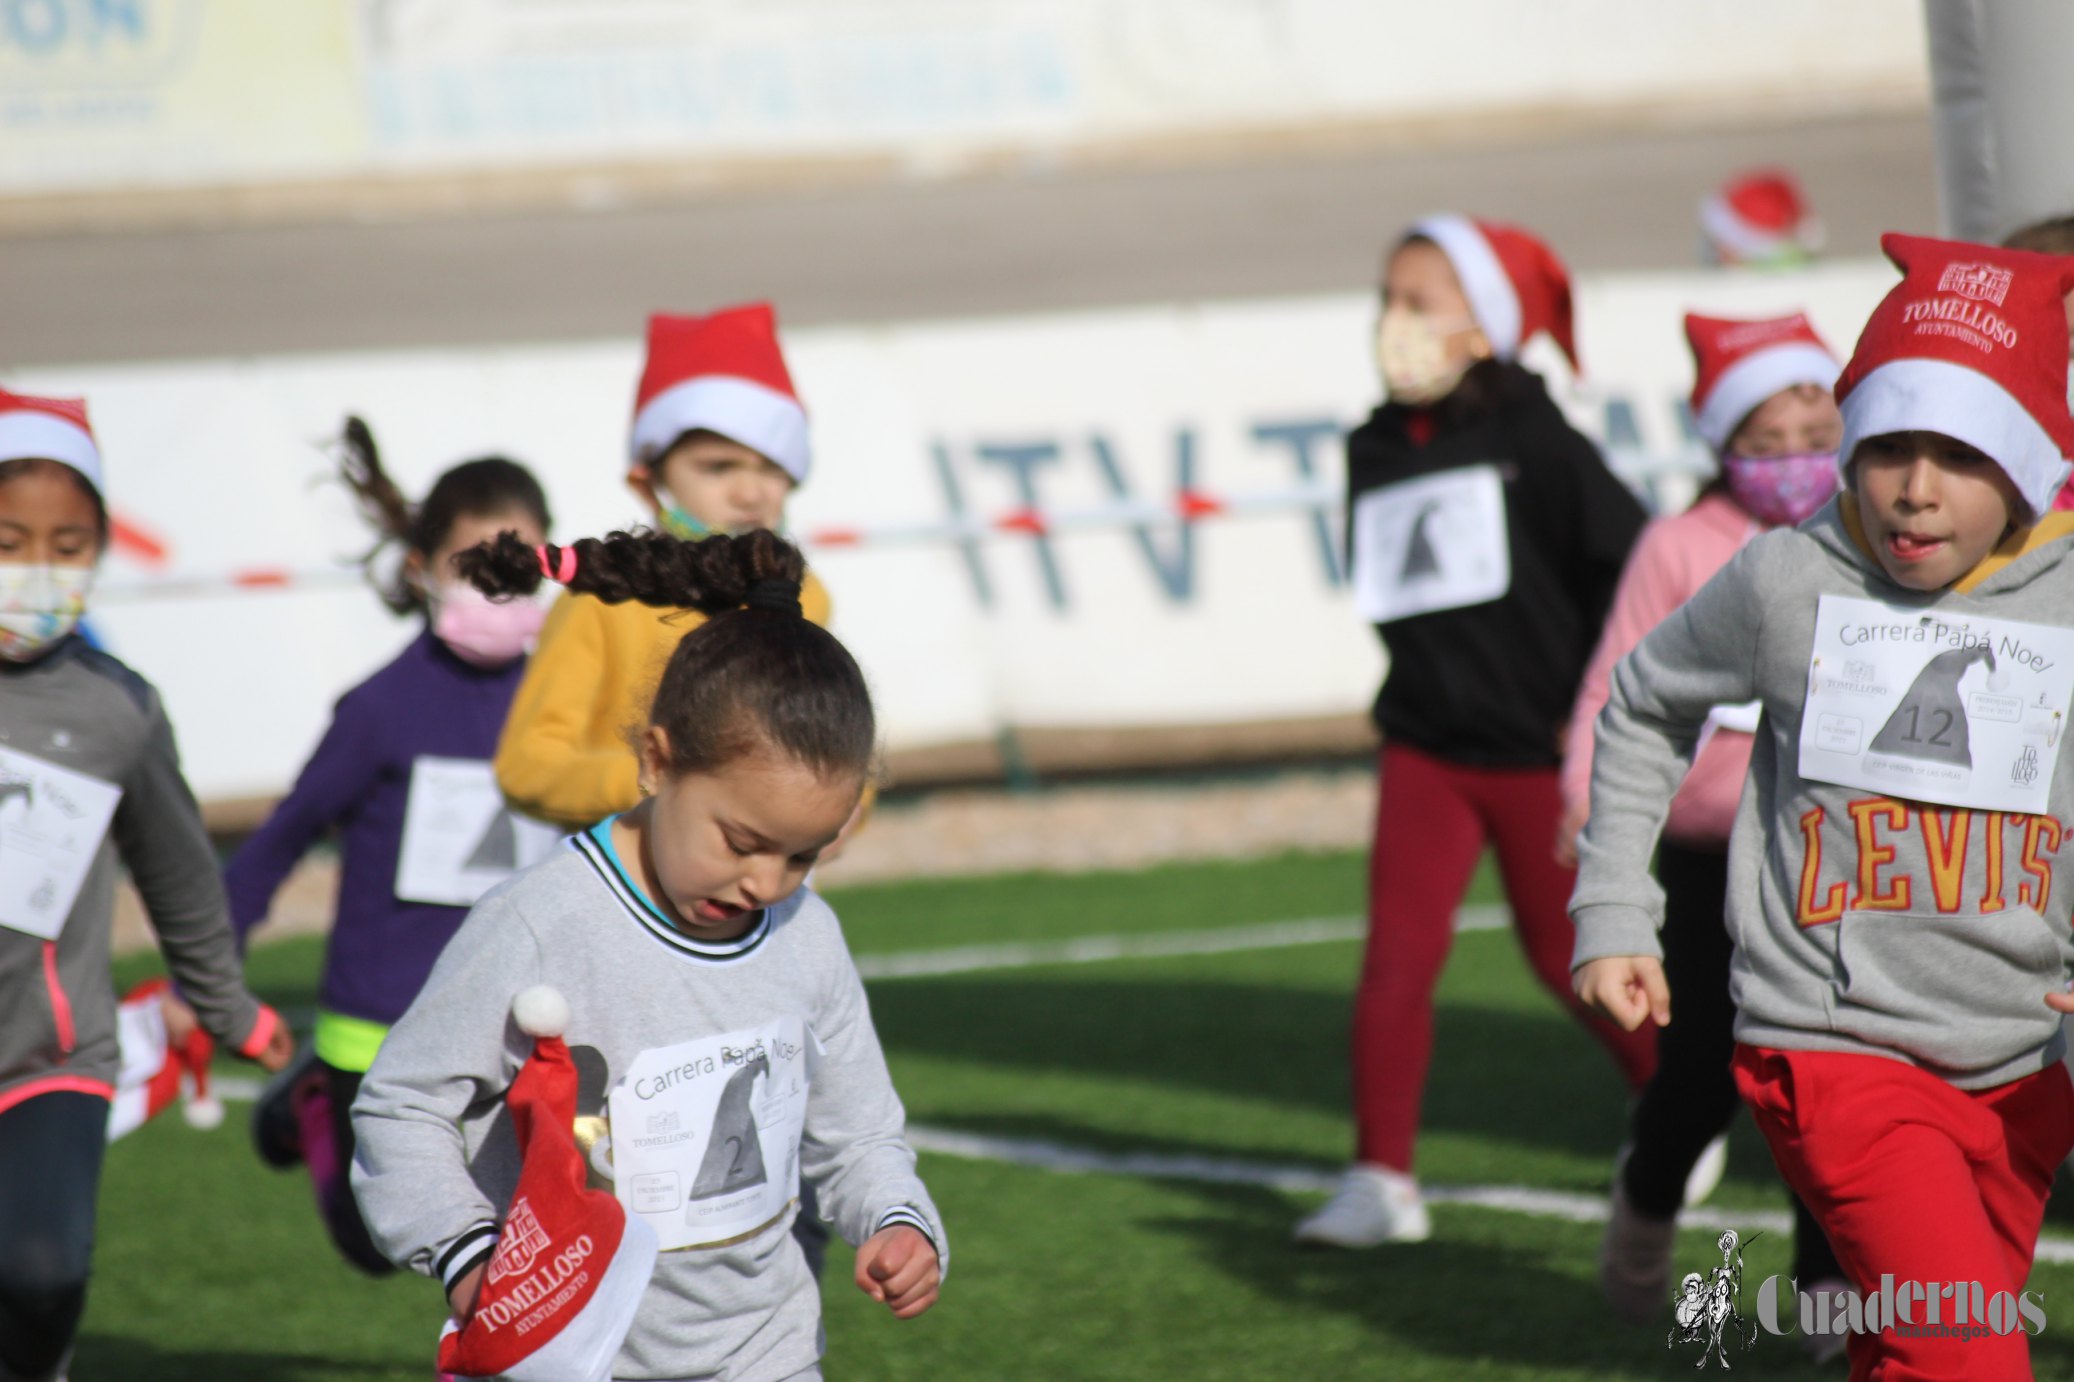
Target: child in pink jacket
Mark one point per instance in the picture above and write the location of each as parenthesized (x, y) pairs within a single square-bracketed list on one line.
[(1762, 401)]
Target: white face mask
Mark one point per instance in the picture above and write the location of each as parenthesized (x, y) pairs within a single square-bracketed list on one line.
[(40, 605), (1411, 352)]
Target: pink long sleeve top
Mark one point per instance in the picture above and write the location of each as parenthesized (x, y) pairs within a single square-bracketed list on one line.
[(1672, 559)]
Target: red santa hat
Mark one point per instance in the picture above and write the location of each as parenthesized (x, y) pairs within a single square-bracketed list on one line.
[(1515, 284), (1739, 364), (50, 429), (723, 373), (570, 1264), (1971, 343), (155, 1068), (1758, 217)]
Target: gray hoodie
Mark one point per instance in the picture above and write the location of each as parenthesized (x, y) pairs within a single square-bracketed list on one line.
[(1949, 968), (437, 1163), (82, 710)]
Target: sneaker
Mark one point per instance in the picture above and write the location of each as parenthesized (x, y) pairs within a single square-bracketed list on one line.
[(1635, 1260), (1705, 1176), (1372, 1206), (276, 1126)]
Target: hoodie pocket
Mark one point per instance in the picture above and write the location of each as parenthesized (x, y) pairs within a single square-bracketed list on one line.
[(1962, 994)]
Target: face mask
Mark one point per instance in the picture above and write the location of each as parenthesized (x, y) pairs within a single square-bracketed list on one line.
[(482, 631), (39, 605), (1411, 351), (1781, 490), (678, 523)]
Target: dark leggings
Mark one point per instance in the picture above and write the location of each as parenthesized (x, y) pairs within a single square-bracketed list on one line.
[(1692, 1098), (51, 1147), (341, 1211)]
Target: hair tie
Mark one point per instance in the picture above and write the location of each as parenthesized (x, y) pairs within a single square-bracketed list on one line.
[(563, 569), (778, 596)]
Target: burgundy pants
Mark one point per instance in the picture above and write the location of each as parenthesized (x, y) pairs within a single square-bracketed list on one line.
[(1433, 821)]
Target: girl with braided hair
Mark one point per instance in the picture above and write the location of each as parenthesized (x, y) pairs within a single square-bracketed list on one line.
[(725, 1048)]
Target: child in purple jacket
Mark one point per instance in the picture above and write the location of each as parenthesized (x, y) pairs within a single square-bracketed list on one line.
[(403, 775)]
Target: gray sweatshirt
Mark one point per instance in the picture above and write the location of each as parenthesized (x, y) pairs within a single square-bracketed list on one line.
[(437, 1162), (1861, 924), (83, 711)]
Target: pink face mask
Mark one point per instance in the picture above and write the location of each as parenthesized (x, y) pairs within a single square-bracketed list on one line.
[(482, 631), (1781, 491)]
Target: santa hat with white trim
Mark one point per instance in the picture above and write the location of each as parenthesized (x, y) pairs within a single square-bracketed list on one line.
[(49, 429), (571, 1264), (1760, 217), (1971, 343), (1739, 364), (1515, 284), (720, 373)]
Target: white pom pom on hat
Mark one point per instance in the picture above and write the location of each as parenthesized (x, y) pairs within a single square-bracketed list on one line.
[(541, 1011)]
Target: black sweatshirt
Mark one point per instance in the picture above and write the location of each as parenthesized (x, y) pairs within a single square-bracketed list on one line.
[(1492, 684)]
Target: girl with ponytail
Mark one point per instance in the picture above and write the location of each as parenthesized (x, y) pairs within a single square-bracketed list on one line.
[(407, 751), (695, 960)]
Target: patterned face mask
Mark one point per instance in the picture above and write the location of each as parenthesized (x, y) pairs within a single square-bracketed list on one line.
[(1781, 491), (39, 606), (1412, 355)]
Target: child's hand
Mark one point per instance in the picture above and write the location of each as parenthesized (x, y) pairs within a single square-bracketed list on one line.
[(1630, 989), (2062, 1002), (278, 1049), (897, 1265), (179, 1018), (461, 1297)]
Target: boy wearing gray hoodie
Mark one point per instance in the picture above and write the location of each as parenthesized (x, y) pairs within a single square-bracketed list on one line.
[(1901, 953)]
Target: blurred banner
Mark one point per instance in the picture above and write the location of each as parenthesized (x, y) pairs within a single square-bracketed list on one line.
[(128, 95), (1048, 463)]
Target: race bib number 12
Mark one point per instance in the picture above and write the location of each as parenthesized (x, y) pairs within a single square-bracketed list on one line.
[(1958, 711)]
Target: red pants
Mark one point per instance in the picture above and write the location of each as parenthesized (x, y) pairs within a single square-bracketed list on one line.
[(1433, 819), (1913, 1178)]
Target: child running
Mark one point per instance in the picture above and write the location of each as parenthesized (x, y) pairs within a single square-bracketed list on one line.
[(725, 1046), (719, 442), (1761, 399), (1901, 951), (1487, 539), (89, 780), (403, 776)]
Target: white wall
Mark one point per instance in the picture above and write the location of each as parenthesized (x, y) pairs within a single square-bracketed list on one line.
[(112, 94), (1127, 625)]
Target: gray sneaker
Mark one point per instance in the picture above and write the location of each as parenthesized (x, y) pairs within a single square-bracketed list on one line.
[(1635, 1260)]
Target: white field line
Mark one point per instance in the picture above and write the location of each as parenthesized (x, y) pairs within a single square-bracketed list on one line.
[(1080, 950)]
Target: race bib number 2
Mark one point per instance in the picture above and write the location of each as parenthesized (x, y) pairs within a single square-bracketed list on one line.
[(705, 1134), (1435, 543), (1957, 711)]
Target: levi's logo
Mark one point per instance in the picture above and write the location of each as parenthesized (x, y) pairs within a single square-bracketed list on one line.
[(522, 1240), (1981, 282)]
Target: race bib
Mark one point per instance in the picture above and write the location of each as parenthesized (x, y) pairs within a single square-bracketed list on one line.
[(704, 1139), (1438, 542), (52, 822), (1957, 711), (459, 838)]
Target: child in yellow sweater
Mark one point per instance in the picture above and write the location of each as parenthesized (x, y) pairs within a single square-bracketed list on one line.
[(719, 441)]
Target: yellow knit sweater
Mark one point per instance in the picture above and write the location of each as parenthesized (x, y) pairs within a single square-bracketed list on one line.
[(567, 754)]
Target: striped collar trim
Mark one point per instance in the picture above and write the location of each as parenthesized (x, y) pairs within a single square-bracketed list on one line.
[(595, 845)]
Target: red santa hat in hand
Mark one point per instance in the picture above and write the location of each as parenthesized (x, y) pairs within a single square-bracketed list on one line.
[(721, 373), (50, 429), (1739, 364), (570, 1264), (155, 1067), (1760, 217), (1971, 343), (1516, 286)]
